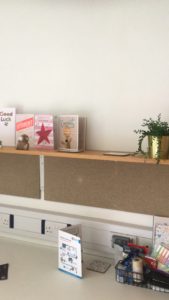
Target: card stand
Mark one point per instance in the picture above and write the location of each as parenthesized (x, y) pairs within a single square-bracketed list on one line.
[(135, 279)]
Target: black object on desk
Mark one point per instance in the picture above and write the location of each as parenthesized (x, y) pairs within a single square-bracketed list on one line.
[(4, 271)]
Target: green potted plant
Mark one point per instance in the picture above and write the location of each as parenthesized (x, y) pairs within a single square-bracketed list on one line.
[(157, 132)]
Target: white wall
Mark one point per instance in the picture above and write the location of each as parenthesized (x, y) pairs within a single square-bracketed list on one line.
[(105, 59)]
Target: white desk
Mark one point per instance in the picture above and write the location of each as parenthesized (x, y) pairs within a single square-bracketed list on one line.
[(33, 275)]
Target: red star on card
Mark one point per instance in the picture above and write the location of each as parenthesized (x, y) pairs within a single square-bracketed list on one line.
[(43, 134)]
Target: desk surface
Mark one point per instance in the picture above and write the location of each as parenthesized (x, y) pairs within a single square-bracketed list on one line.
[(33, 275)]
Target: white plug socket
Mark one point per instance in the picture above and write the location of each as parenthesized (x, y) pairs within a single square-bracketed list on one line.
[(4, 220)]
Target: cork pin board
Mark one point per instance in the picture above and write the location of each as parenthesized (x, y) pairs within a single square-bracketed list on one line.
[(19, 175), (133, 187)]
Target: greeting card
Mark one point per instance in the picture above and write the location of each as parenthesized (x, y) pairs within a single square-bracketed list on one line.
[(44, 138), (25, 127), (71, 133), (7, 126)]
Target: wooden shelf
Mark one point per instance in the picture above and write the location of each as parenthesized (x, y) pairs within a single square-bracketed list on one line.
[(90, 155)]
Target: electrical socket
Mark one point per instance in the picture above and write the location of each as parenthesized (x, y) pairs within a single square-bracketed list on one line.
[(52, 227), (27, 224), (123, 236), (4, 220)]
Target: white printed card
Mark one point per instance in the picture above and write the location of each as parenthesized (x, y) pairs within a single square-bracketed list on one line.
[(70, 250), (160, 231), (7, 126)]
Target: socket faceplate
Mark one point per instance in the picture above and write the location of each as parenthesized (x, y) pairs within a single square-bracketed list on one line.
[(52, 227), (4, 220)]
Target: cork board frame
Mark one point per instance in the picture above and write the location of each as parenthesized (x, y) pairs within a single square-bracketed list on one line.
[(20, 175), (132, 187)]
